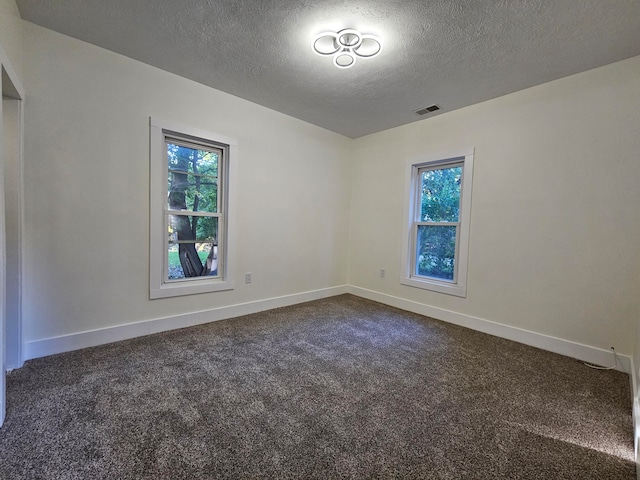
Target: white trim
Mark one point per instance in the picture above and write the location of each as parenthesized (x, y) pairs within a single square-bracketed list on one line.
[(17, 361), (635, 414), (636, 435), (181, 128), (21, 241), (18, 91), (3, 270), (586, 353), (158, 287), (459, 286), (92, 338), (75, 341)]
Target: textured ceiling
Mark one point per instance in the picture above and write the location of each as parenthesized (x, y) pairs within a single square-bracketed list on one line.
[(452, 53)]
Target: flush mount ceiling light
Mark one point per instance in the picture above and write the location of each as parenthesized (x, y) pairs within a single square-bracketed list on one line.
[(346, 46)]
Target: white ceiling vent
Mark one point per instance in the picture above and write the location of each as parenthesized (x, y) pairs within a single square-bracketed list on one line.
[(429, 109)]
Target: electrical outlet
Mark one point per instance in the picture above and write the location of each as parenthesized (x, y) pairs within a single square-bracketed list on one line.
[(247, 277), (382, 272)]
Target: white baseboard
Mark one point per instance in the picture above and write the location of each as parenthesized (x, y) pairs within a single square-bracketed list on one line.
[(586, 353), (92, 338)]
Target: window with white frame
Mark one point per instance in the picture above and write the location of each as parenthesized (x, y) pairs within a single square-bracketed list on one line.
[(192, 176), (436, 233)]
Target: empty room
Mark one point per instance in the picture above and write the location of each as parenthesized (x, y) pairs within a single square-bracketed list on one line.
[(287, 239)]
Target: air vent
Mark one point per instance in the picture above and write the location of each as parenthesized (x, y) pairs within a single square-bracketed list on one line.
[(429, 109)]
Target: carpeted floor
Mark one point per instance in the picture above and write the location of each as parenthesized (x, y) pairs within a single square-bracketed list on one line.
[(336, 388)]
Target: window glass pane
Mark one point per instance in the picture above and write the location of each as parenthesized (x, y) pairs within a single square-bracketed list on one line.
[(190, 243), (435, 252), (186, 228), (192, 260), (440, 194), (192, 179)]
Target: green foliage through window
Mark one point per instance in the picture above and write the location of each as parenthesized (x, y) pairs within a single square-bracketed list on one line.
[(192, 188), (436, 252), (440, 197), (438, 223)]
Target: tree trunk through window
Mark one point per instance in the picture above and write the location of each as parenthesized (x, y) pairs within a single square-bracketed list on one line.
[(189, 259)]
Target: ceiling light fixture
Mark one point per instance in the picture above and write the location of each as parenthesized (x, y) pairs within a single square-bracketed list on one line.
[(346, 46)]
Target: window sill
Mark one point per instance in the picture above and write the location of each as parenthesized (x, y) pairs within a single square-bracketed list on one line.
[(177, 289), (435, 286)]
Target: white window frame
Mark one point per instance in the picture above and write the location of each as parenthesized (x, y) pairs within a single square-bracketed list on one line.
[(458, 286), (159, 286)]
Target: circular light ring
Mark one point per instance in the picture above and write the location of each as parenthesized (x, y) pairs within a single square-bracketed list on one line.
[(370, 46), (349, 38), (326, 44), (344, 59), (346, 46)]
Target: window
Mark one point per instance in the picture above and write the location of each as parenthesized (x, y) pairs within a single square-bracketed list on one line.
[(192, 175), (436, 236)]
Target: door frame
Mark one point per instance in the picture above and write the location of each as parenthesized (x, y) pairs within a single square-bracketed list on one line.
[(12, 90)]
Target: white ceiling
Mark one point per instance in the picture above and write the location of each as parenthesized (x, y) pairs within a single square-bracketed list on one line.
[(452, 53)]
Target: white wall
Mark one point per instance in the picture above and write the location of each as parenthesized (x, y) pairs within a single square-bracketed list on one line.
[(554, 218), (11, 35), (555, 223), (87, 188)]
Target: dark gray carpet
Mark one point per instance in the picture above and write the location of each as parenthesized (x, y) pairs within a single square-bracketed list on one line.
[(337, 388)]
